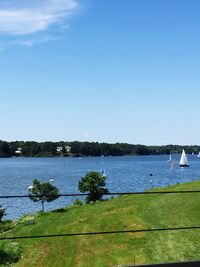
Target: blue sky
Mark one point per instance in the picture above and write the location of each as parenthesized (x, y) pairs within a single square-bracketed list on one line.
[(107, 71)]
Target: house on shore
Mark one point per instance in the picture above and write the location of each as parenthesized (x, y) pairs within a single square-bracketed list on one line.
[(18, 152)]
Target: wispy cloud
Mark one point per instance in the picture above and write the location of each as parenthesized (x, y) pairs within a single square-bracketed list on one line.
[(22, 17), (29, 42)]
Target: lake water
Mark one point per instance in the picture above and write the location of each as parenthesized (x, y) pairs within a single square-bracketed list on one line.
[(124, 174)]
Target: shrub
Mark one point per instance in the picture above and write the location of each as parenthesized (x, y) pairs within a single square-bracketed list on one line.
[(2, 213), (78, 202), (10, 252)]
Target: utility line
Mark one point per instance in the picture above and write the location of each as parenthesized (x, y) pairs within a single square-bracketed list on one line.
[(108, 194), (106, 232), (103, 233)]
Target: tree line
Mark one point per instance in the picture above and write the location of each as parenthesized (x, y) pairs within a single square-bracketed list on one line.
[(78, 149)]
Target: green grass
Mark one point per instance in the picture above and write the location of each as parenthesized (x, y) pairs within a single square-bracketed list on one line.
[(125, 212)]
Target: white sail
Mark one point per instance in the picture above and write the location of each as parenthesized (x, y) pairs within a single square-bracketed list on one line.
[(184, 159), (198, 156), (171, 162)]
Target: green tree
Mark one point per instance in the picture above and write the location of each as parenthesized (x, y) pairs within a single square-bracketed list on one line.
[(5, 149), (44, 192), (2, 213), (93, 183)]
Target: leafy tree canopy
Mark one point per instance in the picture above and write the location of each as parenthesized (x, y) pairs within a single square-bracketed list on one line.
[(44, 192), (94, 183)]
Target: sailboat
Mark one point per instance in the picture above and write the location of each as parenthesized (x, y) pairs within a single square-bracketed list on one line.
[(170, 158), (184, 160), (171, 162), (198, 156)]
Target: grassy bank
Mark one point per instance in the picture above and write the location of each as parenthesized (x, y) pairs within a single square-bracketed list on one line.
[(126, 212)]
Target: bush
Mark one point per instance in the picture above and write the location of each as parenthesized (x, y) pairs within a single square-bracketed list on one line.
[(78, 202), (2, 213), (26, 218), (6, 226), (10, 252)]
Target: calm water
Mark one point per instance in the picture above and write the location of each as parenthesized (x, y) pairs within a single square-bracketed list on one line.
[(123, 174)]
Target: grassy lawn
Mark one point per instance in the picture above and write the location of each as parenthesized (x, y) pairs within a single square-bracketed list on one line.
[(122, 213)]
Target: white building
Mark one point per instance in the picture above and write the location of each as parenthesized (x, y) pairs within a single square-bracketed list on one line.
[(18, 151), (59, 149), (68, 148)]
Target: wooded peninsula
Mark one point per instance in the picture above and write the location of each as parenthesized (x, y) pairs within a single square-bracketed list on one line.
[(81, 149)]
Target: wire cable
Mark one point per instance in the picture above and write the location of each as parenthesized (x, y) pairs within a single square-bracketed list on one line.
[(109, 194), (103, 233)]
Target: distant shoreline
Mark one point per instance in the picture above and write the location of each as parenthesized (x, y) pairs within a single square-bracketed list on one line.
[(86, 149)]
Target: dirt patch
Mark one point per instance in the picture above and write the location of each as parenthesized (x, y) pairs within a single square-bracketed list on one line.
[(121, 210), (81, 245), (45, 251)]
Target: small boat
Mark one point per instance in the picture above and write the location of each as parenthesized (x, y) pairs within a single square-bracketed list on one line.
[(30, 188), (103, 173), (51, 180), (171, 162), (184, 160), (170, 158), (198, 156)]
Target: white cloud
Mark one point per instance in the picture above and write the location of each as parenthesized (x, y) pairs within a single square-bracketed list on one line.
[(22, 17), (30, 41)]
